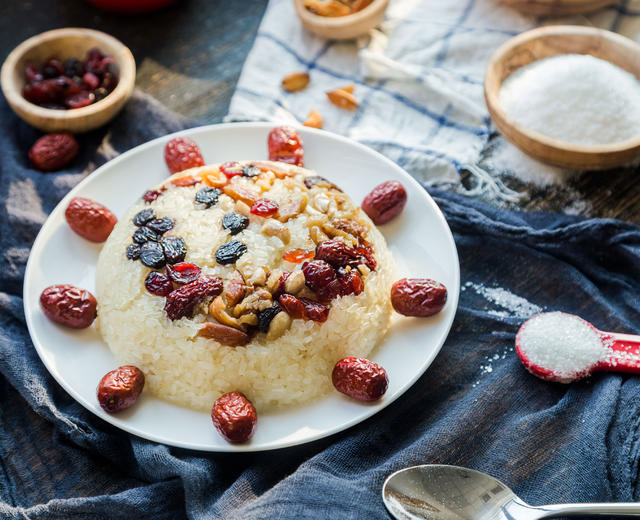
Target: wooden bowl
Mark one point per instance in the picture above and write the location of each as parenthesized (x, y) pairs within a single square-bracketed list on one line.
[(550, 41), (342, 27), (557, 7), (67, 43)]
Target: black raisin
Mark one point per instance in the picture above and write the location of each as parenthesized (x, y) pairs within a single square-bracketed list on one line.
[(73, 67), (133, 251), (174, 249), (144, 234), (230, 252), (207, 196), (234, 222), (142, 217), (266, 316), (151, 255), (161, 225), (249, 170)]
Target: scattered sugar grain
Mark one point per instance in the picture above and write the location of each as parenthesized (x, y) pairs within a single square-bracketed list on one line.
[(561, 343)]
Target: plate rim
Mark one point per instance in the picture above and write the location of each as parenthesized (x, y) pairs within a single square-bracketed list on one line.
[(453, 296)]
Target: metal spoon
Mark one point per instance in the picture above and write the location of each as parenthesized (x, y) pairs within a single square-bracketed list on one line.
[(438, 492)]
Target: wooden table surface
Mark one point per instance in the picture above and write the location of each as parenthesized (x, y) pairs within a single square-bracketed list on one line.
[(189, 57)]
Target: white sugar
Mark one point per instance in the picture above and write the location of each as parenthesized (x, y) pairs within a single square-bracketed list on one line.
[(562, 343), (574, 98)]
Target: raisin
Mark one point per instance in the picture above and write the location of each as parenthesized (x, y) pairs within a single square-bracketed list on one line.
[(420, 297), (90, 219), (142, 217), (207, 196), (304, 308), (321, 182), (360, 378), (68, 305), (230, 252), (181, 153), (266, 316), (285, 145), (338, 254), (133, 251), (249, 170), (73, 67), (385, 202), (231, 169), (53, 151), (174, 249), (120, 388), (182, 301), (296, 256), (264, 208), (235, 222), (318, 274), (158, 284), (234, 416), (161, 225), (151, 255), (144, 234), (183, 272), (151, 195)]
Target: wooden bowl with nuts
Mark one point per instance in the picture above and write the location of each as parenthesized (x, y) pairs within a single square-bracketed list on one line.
[(64, 44), (340, 20)]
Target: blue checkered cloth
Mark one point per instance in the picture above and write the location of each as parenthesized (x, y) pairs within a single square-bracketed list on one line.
[(475, 406), (418, 79)]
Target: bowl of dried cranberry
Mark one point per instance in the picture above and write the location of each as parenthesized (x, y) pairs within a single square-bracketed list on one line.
[(71, 79)]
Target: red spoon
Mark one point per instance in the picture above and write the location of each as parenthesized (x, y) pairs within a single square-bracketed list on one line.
[(620, 352)]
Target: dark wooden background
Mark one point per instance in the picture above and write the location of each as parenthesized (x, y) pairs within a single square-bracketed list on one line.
[(189, 57)]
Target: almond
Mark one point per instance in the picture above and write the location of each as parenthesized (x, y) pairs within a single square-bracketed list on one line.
[(343, 99), (349, 88), (223, 334), (314, 119), (295, 81)]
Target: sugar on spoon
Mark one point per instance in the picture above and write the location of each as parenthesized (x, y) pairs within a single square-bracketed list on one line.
[(438, 492), (562, 347)]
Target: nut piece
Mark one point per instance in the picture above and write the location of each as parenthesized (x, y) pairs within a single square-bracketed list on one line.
[(234, 416), (120, 388), (327, 7), (234, 288), (256, 301), (68, 305), (274, 228), (294, 283), (223, 334), (292, 208), (343, 99), (258, 277), (278, 326), (295, 81), (420, 297), (217, 309), (314, 119), (386, 201), (349, 88)]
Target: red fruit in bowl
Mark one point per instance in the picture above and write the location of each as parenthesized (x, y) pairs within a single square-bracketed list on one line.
[(131, 6)]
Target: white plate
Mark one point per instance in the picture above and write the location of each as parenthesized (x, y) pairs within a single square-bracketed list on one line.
[(420, 240)]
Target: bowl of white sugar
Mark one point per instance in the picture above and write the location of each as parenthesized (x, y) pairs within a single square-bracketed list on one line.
[(568, 96)]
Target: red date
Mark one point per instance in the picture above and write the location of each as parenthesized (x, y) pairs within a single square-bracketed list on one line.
[(285, 145), (90, 219), (68, 305), (234, 416), (385, 202), (420, 297), (360, 378), (120, 388), (303, 308)]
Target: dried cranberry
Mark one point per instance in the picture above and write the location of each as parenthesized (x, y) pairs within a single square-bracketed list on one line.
[(144, 234), (230, 252), (266, 316), (161, 225), (296, 256), (142, 217), (340, 255), (207, 196), (151, 255), (304, 308), (97, 62), (318, 274), (234, 416), (183, 272), (31, 73), (68, 305), (91, 80), (133, 251), (158, 284), (360, 378), (151, 195), (82, 99), (281, 283), (182, 153), (52, 68), (264, 208), (231, 169), (120, 388), (235, 222), (174, 249), (182, 301), (285, 145)]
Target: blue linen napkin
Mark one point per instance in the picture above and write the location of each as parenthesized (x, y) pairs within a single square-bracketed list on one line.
[(475, 406)]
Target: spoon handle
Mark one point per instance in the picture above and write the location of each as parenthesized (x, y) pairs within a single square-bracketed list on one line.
[(617, 509), (625, 353)]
